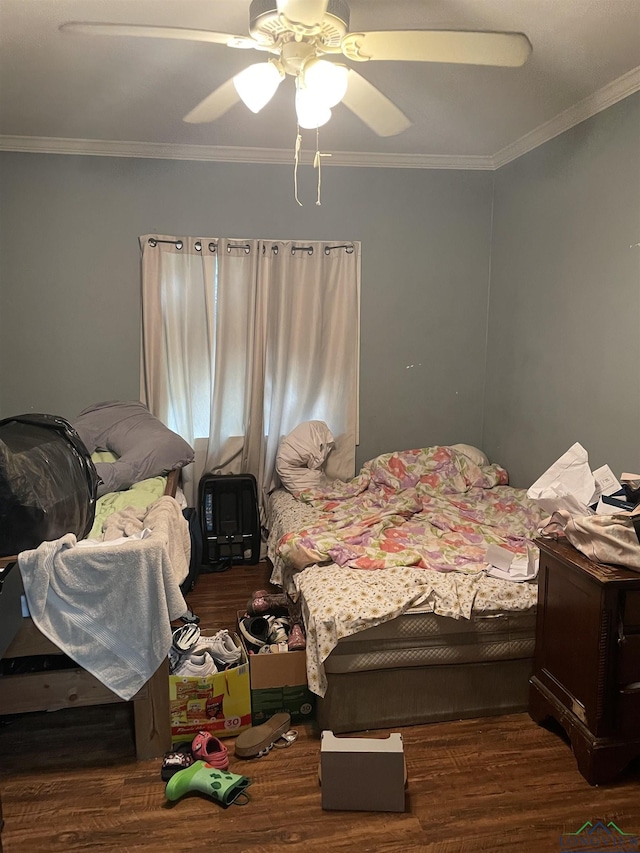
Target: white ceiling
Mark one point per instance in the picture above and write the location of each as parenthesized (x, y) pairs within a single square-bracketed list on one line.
[(127, 96)]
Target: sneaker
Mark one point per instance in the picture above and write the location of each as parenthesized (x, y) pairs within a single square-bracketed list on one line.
[(197, 664), (222, 649), (255, 630), (185, 638), (279, 629), (183, 642)]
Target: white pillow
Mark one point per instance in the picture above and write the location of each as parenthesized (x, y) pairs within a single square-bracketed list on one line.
[(476, 456), (302, 454)]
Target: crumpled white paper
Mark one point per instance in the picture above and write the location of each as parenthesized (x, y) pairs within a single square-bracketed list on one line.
[(568, 484), (506, 565)]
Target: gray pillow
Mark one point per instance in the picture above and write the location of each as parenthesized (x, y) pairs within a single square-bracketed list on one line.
[(144, 445)]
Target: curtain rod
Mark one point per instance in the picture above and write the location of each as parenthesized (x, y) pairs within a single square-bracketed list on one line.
[(213, 247)]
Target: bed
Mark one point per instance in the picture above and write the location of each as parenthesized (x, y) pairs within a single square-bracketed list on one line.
[(98, 623), (405, 623)]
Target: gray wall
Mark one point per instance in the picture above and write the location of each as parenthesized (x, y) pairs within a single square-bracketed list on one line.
[(563, 361), (69, 280), (561, 228)]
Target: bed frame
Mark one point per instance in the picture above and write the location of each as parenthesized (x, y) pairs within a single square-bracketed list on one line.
[(75, 687), (424, 668)]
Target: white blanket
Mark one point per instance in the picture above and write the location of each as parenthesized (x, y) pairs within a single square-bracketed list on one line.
[(110, 608)]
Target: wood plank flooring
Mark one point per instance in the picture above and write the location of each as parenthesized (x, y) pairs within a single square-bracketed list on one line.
[(69, 781)]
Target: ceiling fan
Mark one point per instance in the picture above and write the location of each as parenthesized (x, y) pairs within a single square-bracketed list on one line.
[(304, 37)]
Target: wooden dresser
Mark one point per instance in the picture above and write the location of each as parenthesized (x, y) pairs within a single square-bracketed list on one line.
[(587, 658)]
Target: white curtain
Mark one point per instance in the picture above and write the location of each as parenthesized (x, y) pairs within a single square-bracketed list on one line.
[(242, 340)]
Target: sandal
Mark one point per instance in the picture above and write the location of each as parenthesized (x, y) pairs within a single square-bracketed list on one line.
[(178, 759), (206, 747), (258, 740)]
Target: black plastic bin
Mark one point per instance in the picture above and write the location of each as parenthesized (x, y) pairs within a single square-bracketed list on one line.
[(48, 482)]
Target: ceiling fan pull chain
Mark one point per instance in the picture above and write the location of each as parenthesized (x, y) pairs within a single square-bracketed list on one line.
[(317, 160), (296, 159), (316, 164)]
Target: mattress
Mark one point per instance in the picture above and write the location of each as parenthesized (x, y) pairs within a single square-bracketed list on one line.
[(347, 608), (285, 513), (425, 639)]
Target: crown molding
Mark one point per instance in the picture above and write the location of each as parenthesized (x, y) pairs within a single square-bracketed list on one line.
[(609, 95), (595, 103), (222, 154)]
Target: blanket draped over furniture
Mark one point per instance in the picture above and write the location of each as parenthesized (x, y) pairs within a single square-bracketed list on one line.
[(108, 604)]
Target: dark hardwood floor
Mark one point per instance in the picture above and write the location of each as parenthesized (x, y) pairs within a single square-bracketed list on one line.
[(69, 781)]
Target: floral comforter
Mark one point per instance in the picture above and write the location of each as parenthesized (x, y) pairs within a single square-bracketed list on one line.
[(430, 508)]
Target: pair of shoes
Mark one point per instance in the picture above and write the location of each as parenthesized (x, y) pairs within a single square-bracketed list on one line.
[(206, 747), (222, 649), (296, 641), (258, 740), (223, 786), (260, 631), (262, 601), (196, 664)]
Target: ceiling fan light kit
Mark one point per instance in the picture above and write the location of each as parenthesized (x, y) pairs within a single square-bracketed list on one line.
[(326, 81), (310, 112), (257, 83)]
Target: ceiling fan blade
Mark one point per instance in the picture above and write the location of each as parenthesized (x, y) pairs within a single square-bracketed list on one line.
[(307, 13), (214, 105), (88, 28), (471, 48), (373, 108)]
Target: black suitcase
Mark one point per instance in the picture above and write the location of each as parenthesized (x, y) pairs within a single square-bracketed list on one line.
[(228, 507)]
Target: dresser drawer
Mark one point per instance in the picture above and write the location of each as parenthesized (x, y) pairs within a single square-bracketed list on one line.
[(628, 669), (628, 716), (10, 607), (631, 617)]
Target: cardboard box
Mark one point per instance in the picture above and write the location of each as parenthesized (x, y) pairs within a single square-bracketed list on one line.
[(298, 702), (362, 774), (220, 703), (279, 683)]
